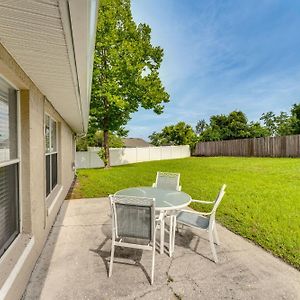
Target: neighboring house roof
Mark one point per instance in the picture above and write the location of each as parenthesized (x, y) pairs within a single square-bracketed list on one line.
[(135, 142), (53, 42)]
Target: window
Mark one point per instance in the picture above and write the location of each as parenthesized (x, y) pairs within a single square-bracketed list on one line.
[(9, 166), (51, 153)]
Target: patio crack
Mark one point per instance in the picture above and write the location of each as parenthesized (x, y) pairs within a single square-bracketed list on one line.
[(174, 293), (173, 259), (170, 279), (149, 292)]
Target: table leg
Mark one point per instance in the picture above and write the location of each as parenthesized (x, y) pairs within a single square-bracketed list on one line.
[(171, 236), (162, 232), (173, 233)]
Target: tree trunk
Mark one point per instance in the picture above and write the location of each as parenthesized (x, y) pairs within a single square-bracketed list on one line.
[(106, 149), (106, 135)]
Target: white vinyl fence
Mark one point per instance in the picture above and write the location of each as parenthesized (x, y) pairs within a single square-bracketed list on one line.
[(123, 156)]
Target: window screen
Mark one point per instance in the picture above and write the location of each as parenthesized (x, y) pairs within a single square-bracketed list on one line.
[(9, 165), (54, 169), (51, 153), (48, 174)]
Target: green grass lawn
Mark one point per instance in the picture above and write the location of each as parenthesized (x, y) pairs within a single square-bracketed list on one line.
[(262, 202)]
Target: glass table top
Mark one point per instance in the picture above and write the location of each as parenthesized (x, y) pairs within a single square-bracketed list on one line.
[(164, 199)]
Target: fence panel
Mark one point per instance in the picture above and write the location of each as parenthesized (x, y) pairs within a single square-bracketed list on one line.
[(282, 146), (166, 152), (142, 154), (155, 153), (122, 156), (176, 152)]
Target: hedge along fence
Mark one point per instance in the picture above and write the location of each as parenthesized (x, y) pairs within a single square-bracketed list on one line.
[(282, 146), (123, 156)]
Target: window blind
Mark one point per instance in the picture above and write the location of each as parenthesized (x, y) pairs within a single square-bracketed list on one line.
[(9, 223), (9, 166)]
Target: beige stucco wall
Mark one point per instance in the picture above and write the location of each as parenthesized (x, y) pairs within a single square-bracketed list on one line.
[(37, 214)]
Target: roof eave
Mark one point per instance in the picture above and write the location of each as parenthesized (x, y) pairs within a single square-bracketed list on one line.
[(79, 19)]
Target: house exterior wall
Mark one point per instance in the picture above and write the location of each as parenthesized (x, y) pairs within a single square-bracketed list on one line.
[(37, 213)]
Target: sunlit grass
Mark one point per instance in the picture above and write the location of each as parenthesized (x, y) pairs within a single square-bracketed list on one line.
[(262, 202)]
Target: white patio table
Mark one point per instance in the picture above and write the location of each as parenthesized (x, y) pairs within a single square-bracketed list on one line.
[(165, 200)]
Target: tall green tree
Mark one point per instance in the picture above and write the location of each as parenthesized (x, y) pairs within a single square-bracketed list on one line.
[(200, 126), (256, 130), (126, 70), (295, 118), (179, 134), (97, 140), (279, 125), (284, 124), (158, 139), (269, 120), (235, 125)]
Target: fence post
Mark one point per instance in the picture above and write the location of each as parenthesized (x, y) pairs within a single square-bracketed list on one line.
[(89, 163), (136, 154)]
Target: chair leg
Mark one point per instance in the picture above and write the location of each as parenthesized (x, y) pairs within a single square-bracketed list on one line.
[(171, 236), (162, 234), (174, 233), (212, 246), (216, 237), (153, 263), (112, 253), (177, 228)]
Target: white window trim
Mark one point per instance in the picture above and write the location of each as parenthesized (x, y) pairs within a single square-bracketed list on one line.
[(17, 161), (9, 162), (56, 125), (20, 160), (50, 196)]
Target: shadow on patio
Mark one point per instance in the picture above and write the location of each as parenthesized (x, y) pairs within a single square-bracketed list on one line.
[(74, 264)]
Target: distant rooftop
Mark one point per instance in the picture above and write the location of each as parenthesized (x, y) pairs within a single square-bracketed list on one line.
[(135, 142)]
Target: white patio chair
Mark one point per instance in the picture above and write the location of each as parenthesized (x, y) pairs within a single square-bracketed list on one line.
[(170, 181), (133, 218), (167, 180), (204, 221)]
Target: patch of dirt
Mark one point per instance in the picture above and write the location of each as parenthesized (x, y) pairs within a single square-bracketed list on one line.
[(73, 191)]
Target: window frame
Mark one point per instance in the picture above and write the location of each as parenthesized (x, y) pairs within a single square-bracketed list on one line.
[(18, 162), (50, 153)]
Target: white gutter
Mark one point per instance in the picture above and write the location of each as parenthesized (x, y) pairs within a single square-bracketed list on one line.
[(83, 20), (67, 26)]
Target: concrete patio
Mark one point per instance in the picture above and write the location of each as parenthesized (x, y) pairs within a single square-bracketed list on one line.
[(74, 263)]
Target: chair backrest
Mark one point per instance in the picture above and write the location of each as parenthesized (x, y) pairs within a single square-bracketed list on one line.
[(219, 198), (167, 180), (133, 217)]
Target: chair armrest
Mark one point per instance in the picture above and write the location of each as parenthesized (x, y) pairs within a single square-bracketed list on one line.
[(203, 202), (154, 185), (197, 212), (159, 218)]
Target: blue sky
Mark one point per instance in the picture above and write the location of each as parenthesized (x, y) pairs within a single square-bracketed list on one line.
[(220, 56)]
